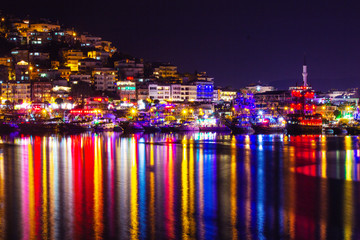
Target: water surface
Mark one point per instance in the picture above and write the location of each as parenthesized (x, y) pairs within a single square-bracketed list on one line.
[(165, 186)]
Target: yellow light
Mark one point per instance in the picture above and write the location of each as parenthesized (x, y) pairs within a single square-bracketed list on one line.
[(191, 110), (233, 109), (31, 68), (133, 111), (286, 108), (184, 111), (323, 107), (291, 109), (74, 34), (43, 111)]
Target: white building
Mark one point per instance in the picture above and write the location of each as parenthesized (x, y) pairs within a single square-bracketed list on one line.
[(159, 92), (259, 88), (188, 92)]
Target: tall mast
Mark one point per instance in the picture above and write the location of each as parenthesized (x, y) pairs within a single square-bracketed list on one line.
[(304, 73)]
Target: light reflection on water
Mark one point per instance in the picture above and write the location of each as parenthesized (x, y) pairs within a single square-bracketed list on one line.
[(201, 185)]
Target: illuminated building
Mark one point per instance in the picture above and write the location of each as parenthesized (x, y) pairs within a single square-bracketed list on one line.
[(16, 91), (41, 91), (259, 88), (106, 46), (204, 91), (223, 94), (44, 27), (16, 38), (22, 27), (129, 68), (6, 61), (38, 56), (65, 72), (80, 77), (159, 92), (165, 71), (127, 90), (88, 64), (22, 71), (188, 92), (142, 92), (88, 40), (277, 100), (38, 38), (104, 82), (72, 58), (99, 55), (20, 55)]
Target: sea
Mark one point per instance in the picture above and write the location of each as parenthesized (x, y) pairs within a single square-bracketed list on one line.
[(179, 186)]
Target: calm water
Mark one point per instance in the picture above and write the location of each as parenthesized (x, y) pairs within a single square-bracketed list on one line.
[(205, 186)]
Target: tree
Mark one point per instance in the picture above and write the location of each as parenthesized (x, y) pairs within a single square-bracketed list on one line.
[(59, 101), (337, 113), (80, 91)]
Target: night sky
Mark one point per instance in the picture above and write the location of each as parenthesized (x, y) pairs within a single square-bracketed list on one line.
[(237, 42)]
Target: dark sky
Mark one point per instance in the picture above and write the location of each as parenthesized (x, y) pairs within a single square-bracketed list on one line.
[(237, 42)]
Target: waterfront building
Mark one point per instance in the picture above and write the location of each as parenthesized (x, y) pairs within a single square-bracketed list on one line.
[(41, 91), (273, 101), (188, 92), (16, 91), (224, 94), (142, 91), (126, 90), (159, 92)]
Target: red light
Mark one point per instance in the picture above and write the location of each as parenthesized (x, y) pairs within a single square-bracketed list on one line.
[(70, 98), (130, 78)]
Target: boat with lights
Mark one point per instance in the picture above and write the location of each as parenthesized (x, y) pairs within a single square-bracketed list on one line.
[(268, 125), (239, 125), (302, 119)]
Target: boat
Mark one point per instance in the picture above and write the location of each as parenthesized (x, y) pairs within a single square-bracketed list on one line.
[(165, 128), (214, 129), (131, 127), (302, 119), (105, 126), (298, 124), (118, 128), (148, 128), (266, 126), (188, 127), (239, 125)]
